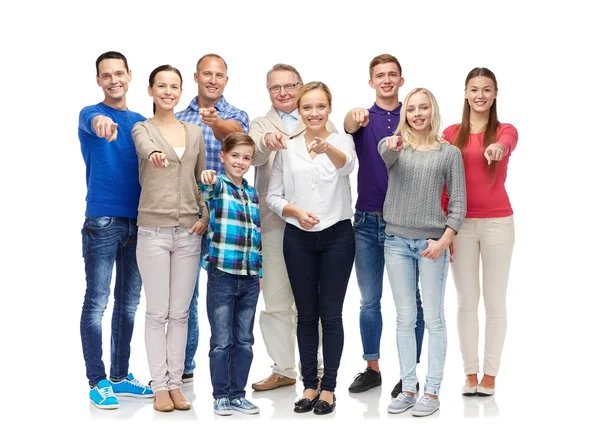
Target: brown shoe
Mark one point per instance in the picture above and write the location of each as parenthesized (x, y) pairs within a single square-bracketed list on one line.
[(274, 381), (179, 400), (163, 402)]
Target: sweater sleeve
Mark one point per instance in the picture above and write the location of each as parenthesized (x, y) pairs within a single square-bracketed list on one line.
[(388, 156), (262, 153), (507, 137), (144, 145), (276, 194), (201, 166), (457, 195), (86, 117)]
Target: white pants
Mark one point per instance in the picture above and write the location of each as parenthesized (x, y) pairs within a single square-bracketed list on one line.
[(491, 241)]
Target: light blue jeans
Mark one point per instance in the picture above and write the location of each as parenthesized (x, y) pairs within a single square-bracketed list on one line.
[(403, 261)]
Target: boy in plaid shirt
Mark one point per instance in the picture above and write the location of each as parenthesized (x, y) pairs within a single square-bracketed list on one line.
[(234, 266)]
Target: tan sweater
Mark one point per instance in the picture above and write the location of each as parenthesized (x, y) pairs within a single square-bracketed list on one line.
[(170, 196), (263, 161)]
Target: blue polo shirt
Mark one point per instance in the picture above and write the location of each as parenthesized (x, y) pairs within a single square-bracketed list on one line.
[(372, 172)]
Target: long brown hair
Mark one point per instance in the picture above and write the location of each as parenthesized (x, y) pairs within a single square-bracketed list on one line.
[(491, 127)]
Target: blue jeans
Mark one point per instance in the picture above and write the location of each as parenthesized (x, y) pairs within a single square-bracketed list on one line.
[(108, 241), (403, 262), (230, 303), (369, 231), (193, 334)]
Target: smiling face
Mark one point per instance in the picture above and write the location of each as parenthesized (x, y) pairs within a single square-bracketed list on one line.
[(212, 79), (314, 109), (418, 113), (114, 79), (386, 80), (237, 162), (481, 93), (283, 99), (166, 90)]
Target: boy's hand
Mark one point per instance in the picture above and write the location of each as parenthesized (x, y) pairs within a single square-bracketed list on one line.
[(208, 177)]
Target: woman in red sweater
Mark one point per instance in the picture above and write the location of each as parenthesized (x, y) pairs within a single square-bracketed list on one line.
[(488, 233)]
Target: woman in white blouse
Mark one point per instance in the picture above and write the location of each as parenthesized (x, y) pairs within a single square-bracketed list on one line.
[(310, 190)]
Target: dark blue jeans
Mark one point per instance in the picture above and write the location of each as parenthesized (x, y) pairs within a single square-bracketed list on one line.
[(109, 241), (319, 266), (369, 230), (230, 304)]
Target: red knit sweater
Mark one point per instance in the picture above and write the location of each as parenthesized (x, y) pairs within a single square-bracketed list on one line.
[(483, 200)]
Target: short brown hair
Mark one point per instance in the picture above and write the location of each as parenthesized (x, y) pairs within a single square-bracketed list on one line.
[(210, 55), (235, 139), (384, 58)]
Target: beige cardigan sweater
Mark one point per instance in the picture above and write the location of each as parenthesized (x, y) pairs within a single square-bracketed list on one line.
[(170, 196), (263, 161)]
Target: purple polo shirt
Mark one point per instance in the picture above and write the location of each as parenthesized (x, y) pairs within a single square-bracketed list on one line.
[(372, 172)]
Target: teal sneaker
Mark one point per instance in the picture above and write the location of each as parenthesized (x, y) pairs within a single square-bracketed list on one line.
[(222, 407), (103, 397), (131, 387), (242, 405)]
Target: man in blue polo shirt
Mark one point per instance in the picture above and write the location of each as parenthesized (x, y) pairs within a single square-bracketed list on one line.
[(368, 127), (217, 118)]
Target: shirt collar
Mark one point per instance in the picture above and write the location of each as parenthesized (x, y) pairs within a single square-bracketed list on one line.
[(380, 111), (229, 182), (219, 106), (294, 113)]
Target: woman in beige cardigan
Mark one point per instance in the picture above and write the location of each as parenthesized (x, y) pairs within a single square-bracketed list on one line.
[(171, 158)]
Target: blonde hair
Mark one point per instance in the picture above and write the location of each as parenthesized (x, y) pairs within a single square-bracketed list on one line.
[(434, 138)]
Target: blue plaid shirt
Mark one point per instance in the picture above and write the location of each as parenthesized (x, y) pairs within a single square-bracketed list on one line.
[(233, 235), (226, 112)]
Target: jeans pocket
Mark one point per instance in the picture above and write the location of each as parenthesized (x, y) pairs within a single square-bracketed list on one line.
[(98, 222), (359, 218)]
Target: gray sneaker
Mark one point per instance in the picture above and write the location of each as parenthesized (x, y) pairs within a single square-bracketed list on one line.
[(426, 406), (401, 403)]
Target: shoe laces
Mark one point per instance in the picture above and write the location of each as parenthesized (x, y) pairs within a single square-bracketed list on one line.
[(106, 392), (401, 396), (361, 375), (425, 400), (136, 383)]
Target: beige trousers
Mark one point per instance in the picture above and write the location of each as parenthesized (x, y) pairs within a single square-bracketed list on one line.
[(489, 242), (168, 259)]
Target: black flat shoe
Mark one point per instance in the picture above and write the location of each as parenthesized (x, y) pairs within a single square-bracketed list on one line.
[(323, 407), (305, 404)]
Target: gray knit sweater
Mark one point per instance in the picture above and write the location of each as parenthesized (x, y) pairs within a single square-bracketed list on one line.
[(412, 207)]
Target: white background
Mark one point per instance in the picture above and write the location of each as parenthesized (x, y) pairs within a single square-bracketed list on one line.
[(545, 58)]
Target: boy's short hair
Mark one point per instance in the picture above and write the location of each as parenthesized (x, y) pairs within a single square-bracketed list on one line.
[(235, 139)]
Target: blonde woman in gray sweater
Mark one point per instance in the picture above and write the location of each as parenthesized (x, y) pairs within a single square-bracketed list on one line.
[(171, 159), (418, 235)]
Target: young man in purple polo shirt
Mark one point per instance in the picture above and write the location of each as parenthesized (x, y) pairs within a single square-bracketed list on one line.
[(368, 127)]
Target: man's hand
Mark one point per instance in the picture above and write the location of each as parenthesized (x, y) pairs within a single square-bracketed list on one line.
[(105, 127), (275, 141), (209, 116), (158, 160), (360, 116)]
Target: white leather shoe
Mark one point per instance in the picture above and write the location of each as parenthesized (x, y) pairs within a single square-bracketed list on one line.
[(467, 390), (484, 391)]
